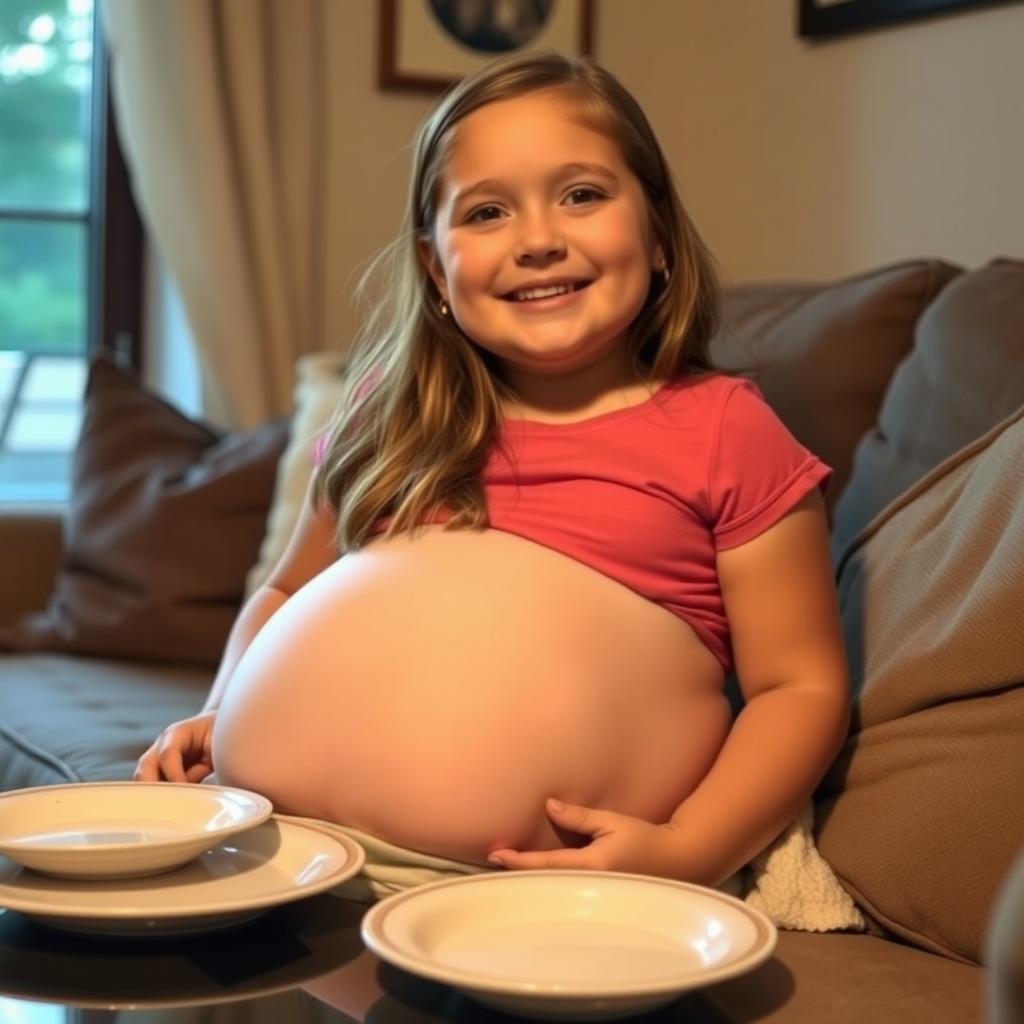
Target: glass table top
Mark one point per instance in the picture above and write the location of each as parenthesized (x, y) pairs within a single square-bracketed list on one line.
[(302, 963)]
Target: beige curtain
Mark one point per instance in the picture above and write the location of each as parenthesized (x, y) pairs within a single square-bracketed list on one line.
[(222, 106)]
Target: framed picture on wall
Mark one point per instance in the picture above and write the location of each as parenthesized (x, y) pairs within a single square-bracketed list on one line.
[(818, 18), (430, 44)]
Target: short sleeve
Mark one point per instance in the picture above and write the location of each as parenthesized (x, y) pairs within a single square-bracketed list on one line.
[(757, 470)]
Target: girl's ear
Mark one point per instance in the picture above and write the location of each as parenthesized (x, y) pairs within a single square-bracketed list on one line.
[(429, 259), (658, 262)]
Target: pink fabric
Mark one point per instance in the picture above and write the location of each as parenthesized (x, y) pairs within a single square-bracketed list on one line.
[(647, 495), (319, 447), (320, 444)]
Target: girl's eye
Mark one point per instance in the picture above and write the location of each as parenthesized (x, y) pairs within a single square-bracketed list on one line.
[(584, 194), (478, 213)]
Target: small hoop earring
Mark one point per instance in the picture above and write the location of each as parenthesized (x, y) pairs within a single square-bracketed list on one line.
[(442, 307)]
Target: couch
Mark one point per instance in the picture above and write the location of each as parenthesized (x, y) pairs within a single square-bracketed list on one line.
[(908, 379)]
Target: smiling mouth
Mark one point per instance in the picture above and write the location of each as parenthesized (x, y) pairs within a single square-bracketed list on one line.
[(550, 292)]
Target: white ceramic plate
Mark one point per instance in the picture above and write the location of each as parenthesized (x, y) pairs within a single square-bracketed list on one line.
[(265, 866), (569, 944), (121, 829)]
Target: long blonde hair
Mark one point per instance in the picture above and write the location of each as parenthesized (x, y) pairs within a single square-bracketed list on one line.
[(422, 404)]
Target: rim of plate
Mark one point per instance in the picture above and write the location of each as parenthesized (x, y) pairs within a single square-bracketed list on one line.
[(373, 927), (263, 809), (355, 859)]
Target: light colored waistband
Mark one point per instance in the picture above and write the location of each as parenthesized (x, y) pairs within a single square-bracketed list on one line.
[(388, 868)]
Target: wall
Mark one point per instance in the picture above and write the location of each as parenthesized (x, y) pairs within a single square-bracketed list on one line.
[(822, 159), (794, 159)]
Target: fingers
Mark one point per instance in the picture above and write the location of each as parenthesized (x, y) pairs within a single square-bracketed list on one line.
[(172, 766), (587, 824), (580, 859), (572, 816), (147, 769), (155, 766), (580, 821), (180, 754), (199, 771)]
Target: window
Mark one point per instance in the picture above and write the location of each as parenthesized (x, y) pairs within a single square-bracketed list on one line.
[(61, 184)]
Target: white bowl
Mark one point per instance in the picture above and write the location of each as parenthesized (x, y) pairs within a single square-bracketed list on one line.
[(272, 864), (121, 829), (567, 944)]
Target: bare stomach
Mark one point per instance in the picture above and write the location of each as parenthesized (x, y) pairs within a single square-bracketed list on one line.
[(434, 690)]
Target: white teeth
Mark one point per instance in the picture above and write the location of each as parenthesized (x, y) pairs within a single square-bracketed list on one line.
[(542, 293)]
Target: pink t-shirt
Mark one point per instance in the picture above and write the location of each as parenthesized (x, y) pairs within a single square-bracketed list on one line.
[(647, 495)]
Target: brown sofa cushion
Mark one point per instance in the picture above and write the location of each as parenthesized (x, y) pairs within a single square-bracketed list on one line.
[(922, 813), (823, 354), (965, 374), (165, 519), (69, 719), (839, 978)]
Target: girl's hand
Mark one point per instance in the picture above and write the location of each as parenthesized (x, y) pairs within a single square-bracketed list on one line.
[(181, 753), (618, 843)]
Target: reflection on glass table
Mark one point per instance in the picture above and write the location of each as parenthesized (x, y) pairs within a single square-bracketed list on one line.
[(276, 952), (303, 963)]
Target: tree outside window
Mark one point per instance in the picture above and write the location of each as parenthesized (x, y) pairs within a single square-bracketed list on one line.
[(47, 237)]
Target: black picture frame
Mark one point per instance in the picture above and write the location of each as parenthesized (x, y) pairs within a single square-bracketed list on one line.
[(818, 19)]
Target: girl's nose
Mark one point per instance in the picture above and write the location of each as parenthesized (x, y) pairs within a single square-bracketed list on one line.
[(539, 240)]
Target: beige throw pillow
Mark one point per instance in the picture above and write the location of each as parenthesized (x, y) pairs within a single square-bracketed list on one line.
[(922, 813), (823, 354), (319, 377), (964, 375)]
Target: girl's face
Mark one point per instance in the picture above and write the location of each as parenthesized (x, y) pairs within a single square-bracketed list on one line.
[(532, 199)]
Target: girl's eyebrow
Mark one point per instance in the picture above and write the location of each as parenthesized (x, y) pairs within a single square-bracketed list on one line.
[(490, 184)]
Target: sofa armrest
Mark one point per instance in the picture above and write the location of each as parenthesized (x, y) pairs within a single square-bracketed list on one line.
[(31, 540)]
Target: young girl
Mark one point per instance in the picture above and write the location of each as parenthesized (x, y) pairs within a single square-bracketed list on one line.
[(560, 530)]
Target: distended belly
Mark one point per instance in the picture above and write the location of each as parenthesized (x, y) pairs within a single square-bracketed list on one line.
[(434, 689)]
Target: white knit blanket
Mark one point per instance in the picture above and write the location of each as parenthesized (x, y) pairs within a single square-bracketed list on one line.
[(793, 884)]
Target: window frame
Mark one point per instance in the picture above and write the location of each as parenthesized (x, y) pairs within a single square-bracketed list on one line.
[(114, 279)]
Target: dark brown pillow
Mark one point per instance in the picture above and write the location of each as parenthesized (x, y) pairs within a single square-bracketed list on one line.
[(966, 373), (165, 519), (823, 354)]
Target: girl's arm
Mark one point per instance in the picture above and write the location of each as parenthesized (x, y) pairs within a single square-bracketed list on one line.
[(781, 603), (783, 615), (310, 550)]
